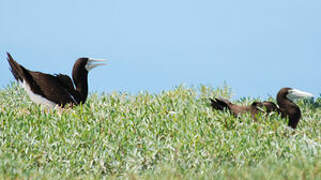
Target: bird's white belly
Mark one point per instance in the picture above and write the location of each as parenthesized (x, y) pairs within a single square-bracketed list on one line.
[(35, 97)]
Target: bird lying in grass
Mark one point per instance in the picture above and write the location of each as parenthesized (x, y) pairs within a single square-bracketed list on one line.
[(285, 100), (255, 108)]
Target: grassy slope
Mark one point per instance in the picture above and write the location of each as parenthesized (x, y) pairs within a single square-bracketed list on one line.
[(173, 134)]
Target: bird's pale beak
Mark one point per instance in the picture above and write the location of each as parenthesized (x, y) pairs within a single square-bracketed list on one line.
[(92, 63), (298, 94)]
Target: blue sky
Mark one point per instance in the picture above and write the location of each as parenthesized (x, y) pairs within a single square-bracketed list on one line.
[(256, 47)]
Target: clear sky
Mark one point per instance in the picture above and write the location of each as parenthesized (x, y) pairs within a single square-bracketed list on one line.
[(256, 47)]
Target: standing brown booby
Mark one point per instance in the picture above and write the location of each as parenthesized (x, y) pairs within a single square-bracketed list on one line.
[(287, 107), (285, 97), (56, 89)]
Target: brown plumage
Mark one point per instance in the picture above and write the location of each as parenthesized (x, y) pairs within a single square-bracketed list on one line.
[(56, 89), (286, 107), (236, 110)]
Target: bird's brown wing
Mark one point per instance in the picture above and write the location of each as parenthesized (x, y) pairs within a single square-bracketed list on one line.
[(65, 81), (56, 89)]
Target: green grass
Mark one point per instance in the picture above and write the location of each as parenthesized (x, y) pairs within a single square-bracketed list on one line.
[(170, 135)]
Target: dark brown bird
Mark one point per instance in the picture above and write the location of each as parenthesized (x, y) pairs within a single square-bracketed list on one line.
[(236, 110), (56, 89), (286, 107)]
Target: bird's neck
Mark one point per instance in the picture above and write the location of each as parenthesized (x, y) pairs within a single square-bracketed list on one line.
[(284, 102), (82, 88), (81, 83), (288, 104)]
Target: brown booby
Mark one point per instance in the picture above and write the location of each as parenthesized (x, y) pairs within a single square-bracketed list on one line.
[(57, 89), (286, 107), (255, 108)]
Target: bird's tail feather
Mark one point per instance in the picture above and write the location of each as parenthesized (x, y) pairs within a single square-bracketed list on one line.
[(15, 68), (219, 103)]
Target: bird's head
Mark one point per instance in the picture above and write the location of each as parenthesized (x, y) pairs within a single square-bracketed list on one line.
[(293, 94), (83, 65), (88, 63)]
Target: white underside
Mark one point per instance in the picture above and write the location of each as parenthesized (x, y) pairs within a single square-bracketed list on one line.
[(35, 97)]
